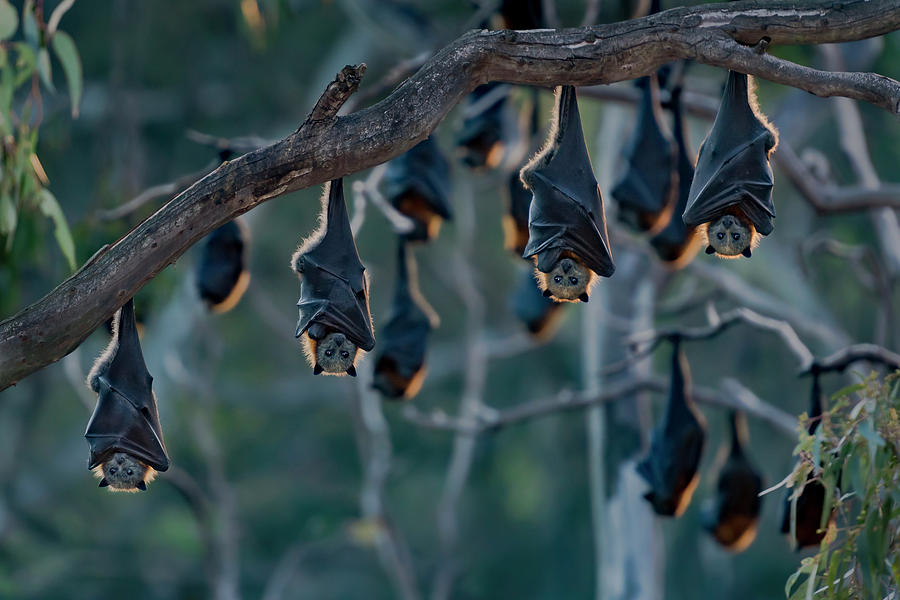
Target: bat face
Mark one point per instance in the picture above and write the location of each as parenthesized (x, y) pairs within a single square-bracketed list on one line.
[(333, 354), (569, 280), (124, 473), (730, 236)]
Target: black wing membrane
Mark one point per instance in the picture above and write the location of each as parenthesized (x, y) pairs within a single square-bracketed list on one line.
[(126, 418), (420, 174), (733, 166), (566, 210), (811, 502), (675, 239), (735, 509), (333, 289), (222, 275), (647, 192), (404, 338), (676, 446), (521, 14), (481, 141)]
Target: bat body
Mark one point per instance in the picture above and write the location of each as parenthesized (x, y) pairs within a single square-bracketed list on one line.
[(735, 509), (730, 201), (811, 502), (222, 275), (400, 364), (647, 193), (566, 221), (515, 221), (520, 14), (124, 432), (417, 184), (676, 446), (334, 297), (482, 141), (677, 244)]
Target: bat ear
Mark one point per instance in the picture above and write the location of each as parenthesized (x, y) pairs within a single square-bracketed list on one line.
[(351, 371), (710, 250), (317, 370), (141, 485), (103, 482), (747, 252), (649, 497), (584, 297), (547, 293)]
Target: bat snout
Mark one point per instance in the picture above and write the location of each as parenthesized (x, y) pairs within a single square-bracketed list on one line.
[(566, 265)]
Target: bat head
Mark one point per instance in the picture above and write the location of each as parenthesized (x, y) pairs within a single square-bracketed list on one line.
[(333, 354), (122, 472), (568, 281), (730, 235)]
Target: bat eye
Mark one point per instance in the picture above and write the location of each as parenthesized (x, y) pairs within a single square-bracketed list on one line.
[(344, 354), (558, 279), (130, 472), (736, 236), (113, 471), (329, 353), (573, 280), (720, 235)]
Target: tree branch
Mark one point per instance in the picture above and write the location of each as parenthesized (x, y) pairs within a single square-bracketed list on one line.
[(845, 357), (326, 147)]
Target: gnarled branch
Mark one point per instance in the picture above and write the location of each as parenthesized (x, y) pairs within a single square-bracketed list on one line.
[(324, 149)]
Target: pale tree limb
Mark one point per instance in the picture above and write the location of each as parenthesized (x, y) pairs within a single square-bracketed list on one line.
[(326, 147), (845, 357)]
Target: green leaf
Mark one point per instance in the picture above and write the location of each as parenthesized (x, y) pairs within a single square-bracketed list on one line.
[(8, 216), (9, 20), (44, 69), (26, 62), (68, 57), (29, 24), (51, 209)]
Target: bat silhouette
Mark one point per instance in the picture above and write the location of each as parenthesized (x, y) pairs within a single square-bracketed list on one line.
[(418, 184), (222, 275), (481, 142)]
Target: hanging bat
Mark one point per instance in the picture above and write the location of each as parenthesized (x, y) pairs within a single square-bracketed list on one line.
[(222, 275), (735, 509), (515, 221), (811, 502), (417, 184), (675, 446), (539, 314), (647, 193), (566, 221), (335, 322), (482, 141), (731, 195), (400, 365), (677, 244), (124, 433), (520, 14)]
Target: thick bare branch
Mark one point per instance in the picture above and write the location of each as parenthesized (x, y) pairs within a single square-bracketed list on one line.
[(325, 147), (845, 357)]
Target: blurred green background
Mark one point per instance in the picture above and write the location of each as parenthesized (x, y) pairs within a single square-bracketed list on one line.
[(265, 496)]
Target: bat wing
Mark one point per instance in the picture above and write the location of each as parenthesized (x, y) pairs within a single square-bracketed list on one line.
[(333, 290), (424, 170), (519, 200), (126, 417), (221, 264), (733, 166), (647, 182), (676, 232), (566, 211), (484, 124)]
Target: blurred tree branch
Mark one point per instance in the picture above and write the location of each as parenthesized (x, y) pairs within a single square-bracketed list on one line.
[(326, 147)]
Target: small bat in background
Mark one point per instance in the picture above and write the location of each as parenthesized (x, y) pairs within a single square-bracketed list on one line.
[(677, 244), (520, 14), (222, 275), (124, 433), (515, 220), (400, 364), (566, 221), (482, 141), (731, 195), (732, 516), (335, 322), (539, 314), (809, 529), (675, 446), (418, 184), (647, 193)]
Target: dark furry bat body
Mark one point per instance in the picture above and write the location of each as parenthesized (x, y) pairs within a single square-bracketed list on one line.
[(647, 193), (811, 503), (222, 275), (482, 141), (677, 243), (675, 446), (334, 297), (417, 184), (731, 196), (124, 433), (735, 509), (400, 365), (520, 14), (515, 221), (566, 221)]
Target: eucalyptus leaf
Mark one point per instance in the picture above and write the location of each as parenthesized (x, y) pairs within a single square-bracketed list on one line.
[(67, 53), (44, 68), (9, 20), (50, 208), (29, 24)]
